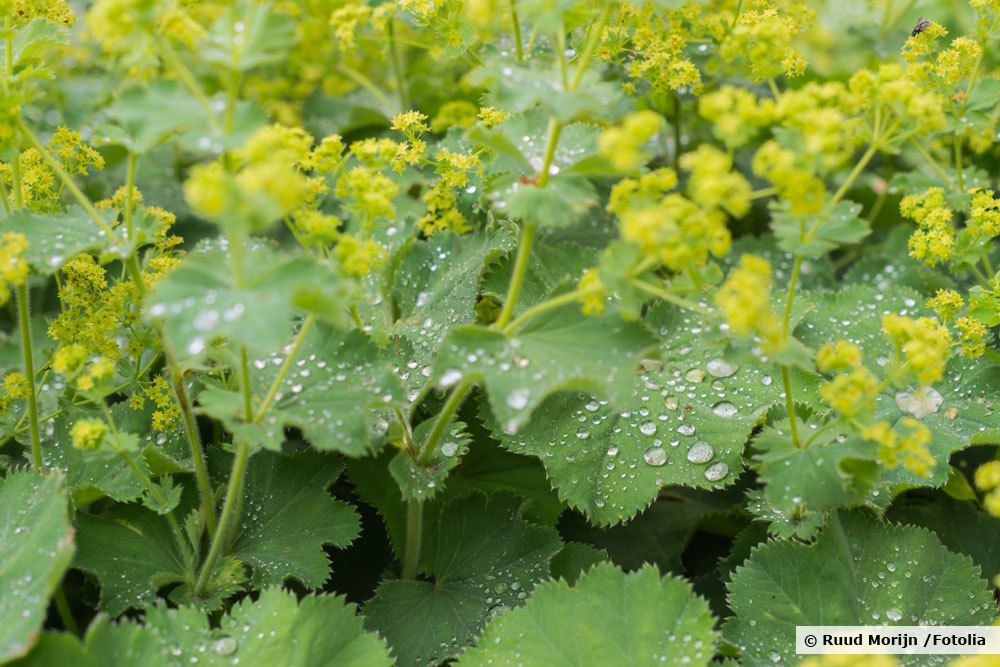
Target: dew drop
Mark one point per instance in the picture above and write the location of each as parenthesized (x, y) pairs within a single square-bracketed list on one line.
[(716, 471), (700, 452), (720, 368), (655, 456)]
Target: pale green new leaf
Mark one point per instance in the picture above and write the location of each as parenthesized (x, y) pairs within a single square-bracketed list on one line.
[(55, 238), (521, 369), (288, 516), (481, 556), (814, 235), (200, 304), (859, 572), (36, 547), (613, 618)]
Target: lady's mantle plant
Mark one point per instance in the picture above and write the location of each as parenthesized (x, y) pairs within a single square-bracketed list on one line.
[(505, 333)]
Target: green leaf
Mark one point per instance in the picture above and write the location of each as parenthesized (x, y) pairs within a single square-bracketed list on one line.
[(559, 203), (481, 557), (814, 235), (517, 87), (330, 392), (131, 551), (277, 629), (288, 516), (423, 482), (684, 420), (267, 37), (574, 559), (145, 116), (959, 525), (828, 471), (521, 369), (617, 619), (963, 416), (859, 572), (199, 304), (36, 547), (435, 289), (55, 238), (33, 41)]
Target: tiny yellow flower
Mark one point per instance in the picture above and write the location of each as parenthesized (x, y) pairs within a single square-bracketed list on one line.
[(491, 117), (593, 293), (87, 434), (946, 303), (851, 394), (837, 356)]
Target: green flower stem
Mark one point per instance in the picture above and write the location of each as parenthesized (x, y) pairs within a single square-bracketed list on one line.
[(440, 427), (285, 365), (545, 306), (65, 613), (988, 265), (958, 162), (786, 376), (396, 63), (414, 538), (368, 85), (517, 29), (661, 293), (234, 496), (594, 38), (517, 279), (245, 385), (934, 164), (188, 80), (415, 508), (979, 63), (129, 190), (24, 321)]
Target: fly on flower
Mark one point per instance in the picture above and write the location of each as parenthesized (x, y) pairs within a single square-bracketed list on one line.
[(922, 24)]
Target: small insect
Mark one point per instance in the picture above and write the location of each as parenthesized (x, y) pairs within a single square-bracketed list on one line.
[(922, 24)]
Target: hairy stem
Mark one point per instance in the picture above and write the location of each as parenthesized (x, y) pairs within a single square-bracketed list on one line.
[(285, 365), (24, 322), (517, 278), (517, 29), (234, 494), (129, 190), (414, 538), (440, 427), (546, 306), (396, 63)]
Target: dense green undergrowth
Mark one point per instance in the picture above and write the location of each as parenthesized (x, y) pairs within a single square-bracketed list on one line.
[(496, 332)]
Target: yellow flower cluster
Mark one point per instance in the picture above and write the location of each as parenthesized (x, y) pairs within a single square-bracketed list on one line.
[(988, 481), (972, 336), (15, 385), (909, 447), (934, 239), (897, 98), (53, 11), (13, 268), (745, 300), (713, 183), (837, 356), (77, 157), (327, 157), (623, 145), (593, 292), (984, 215), (491, 117), (167, 413), (413, 124), (454, 168), (650, 46), (803, 191), (946, 303), (87, 434), (38, 183), (736, 114), (71, 360), (93, 311), (359, 257), (442, 213), (851, 394), (762, 40), (925, 345), (316, 229), (369, 193), (824, 115), (348, 21), (269, 180)]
